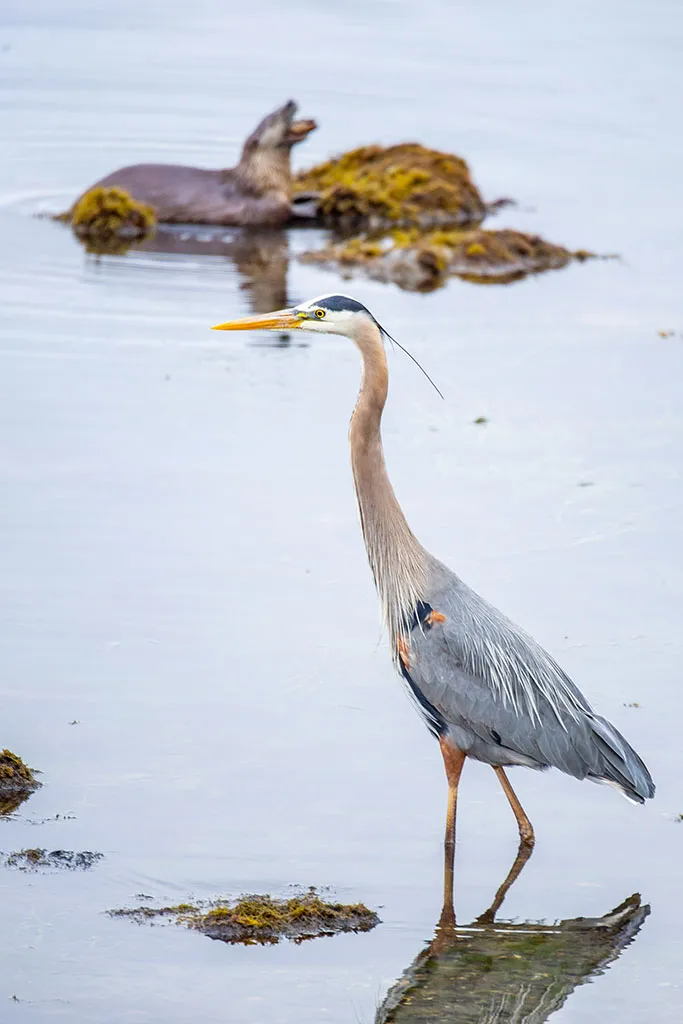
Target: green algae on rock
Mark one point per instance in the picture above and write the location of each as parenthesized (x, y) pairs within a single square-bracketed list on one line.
[(422, 261), (375, 187), (107, 220), (262, 919), (36, 859), (17, 782)]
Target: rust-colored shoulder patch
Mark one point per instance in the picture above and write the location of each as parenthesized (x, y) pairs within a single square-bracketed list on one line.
[(403, 653), (434, 617)]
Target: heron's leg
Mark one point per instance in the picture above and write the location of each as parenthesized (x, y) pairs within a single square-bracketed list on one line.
[(453, 760), (526, 831), (523, 853)]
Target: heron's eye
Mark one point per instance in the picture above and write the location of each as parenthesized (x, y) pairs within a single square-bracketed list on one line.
[(320, 313)]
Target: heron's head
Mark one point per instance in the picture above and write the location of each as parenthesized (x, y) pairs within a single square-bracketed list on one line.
[(278, 130), (326, 314)]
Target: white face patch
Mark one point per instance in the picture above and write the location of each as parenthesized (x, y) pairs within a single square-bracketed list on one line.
[(334, 313), (272, 136), (333, 322)]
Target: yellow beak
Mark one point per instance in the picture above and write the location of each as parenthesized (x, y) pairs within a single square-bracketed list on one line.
[(280, 320)]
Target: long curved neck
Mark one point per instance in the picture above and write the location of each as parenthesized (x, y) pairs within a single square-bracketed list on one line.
[(397, 559)]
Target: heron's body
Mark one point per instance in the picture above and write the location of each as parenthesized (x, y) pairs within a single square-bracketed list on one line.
[(256, 192), (484, 688), (495, 694)]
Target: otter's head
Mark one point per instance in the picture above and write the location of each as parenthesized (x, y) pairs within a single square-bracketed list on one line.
[(278, 131)]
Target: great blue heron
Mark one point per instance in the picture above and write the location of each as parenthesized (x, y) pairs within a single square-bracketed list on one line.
[(484, 688)]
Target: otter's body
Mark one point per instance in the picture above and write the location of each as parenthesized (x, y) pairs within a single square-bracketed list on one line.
[(257, 192), (195, 195)]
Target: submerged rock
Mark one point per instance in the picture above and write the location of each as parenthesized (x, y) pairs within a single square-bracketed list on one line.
[(107, 220), (36, 859), (376, 188), (422, 261), (17, 782), (262, 919)]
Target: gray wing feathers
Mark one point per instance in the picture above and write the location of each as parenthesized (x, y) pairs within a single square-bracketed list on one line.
[(516, 668), (628, 771), (506, 701)]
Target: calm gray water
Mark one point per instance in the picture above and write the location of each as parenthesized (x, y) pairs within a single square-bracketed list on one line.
[(182, 571)]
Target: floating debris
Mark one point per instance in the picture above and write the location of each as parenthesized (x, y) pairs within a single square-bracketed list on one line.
[(261, 919), (481, 420), (422, 261), (107, 220), (52, 817), (376, 188), (35, 860), (17, 782)]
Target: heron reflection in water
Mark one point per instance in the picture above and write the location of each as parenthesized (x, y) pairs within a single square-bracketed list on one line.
[(502, 972), (485, 689)]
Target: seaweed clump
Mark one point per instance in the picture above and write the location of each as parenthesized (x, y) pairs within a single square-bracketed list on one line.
[(108, 220), (412, 216), (17, 782), (263, 919), (35, 859), (422, 261), (407, 185)]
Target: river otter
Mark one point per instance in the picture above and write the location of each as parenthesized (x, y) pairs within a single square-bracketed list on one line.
[(257, 192)]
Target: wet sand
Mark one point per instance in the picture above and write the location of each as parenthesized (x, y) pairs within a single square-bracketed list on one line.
[(183, 573)]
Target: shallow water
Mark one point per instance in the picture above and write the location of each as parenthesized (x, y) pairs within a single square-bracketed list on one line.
[(183, 574)]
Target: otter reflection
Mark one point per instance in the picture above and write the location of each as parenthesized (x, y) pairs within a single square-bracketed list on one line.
[(502, 973), (260, 257)]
